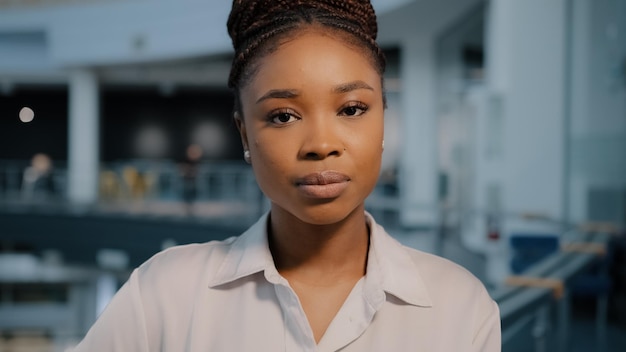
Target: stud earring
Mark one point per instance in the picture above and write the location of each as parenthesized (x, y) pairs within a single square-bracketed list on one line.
[(246, 156), (383, 144)]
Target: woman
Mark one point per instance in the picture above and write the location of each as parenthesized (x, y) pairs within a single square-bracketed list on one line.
[(316, 273)]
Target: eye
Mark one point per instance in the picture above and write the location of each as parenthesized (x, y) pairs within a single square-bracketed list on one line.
[(282, 117), (354, 109)]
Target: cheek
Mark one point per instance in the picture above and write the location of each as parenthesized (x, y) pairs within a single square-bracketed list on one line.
[(269, 147), (271, 158), (369, 137), (365, 148)]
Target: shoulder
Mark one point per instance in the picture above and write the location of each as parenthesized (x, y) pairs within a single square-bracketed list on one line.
[(191, 252), (460, 299), (188, 266), (447, 280), (185, 264), (435, 267), (435, 273), (441, 273), (442, 279)]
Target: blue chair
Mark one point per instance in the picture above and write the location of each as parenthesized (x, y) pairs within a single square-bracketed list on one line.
[(529, 249)]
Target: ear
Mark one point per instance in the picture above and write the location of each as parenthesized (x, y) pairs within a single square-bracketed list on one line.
[(241, 126)]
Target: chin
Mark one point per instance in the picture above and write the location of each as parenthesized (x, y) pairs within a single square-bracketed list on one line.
[(325, 214)]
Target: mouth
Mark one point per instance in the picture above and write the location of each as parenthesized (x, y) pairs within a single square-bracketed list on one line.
[(323, 185)]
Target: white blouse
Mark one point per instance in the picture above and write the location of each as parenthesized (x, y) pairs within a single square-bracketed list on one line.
[(228, 296)]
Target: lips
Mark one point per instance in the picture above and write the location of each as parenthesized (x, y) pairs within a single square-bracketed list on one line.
[(323, 185)]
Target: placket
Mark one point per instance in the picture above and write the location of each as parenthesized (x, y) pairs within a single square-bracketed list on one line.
[(353, 318), (298, 332)]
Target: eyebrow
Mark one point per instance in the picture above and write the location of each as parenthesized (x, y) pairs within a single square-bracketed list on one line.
[(292, 93), (278, 94), (350, 86)]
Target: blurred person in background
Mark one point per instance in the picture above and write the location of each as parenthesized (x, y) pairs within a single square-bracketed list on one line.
[(315, 273), (189, 173), (37, 180)]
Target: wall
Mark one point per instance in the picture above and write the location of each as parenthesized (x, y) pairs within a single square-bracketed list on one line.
[(109, 32), (598, 114)]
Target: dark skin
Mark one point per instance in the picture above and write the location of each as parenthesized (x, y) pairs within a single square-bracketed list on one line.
[(322, 265), (312, 119)]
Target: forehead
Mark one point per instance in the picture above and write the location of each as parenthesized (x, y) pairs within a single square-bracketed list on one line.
[(313, 56)]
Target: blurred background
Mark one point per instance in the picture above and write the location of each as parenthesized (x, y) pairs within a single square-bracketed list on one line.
[(505, 151)]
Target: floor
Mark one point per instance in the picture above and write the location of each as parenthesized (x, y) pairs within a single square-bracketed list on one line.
[(583, 329)]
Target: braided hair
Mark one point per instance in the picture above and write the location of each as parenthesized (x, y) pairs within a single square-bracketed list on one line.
[(256, 27)]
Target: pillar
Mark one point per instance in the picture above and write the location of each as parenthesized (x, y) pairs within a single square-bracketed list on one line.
[(83, 134), (526, 78), (418, 165)]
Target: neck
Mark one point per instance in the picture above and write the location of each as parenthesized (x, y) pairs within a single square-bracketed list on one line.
[(319, 253)]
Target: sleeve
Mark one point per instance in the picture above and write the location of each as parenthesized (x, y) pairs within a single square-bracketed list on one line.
[(121, 326), (488, 336)]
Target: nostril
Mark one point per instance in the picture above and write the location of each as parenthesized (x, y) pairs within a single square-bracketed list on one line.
[(312, 156), (321, 154)]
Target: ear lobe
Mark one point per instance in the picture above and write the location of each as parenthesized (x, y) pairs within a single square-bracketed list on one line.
[(241, 126)]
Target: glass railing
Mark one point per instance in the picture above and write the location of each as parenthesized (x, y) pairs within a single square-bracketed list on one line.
[(156, 186), (138, 186)]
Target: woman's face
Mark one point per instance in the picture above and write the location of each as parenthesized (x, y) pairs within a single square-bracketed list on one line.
[(313, 122)]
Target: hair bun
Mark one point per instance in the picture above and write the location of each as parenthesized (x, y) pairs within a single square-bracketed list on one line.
[(248, 16)]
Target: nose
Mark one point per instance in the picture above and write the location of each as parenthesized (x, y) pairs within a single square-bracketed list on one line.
[(322, 140)]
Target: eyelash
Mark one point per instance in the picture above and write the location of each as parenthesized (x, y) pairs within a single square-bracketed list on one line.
[(274, 115), (354, 105)]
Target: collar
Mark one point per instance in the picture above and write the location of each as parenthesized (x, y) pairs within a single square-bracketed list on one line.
[(390, 268), (248, 254)]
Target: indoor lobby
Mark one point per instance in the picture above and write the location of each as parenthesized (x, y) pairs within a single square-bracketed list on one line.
[(504, 152)]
